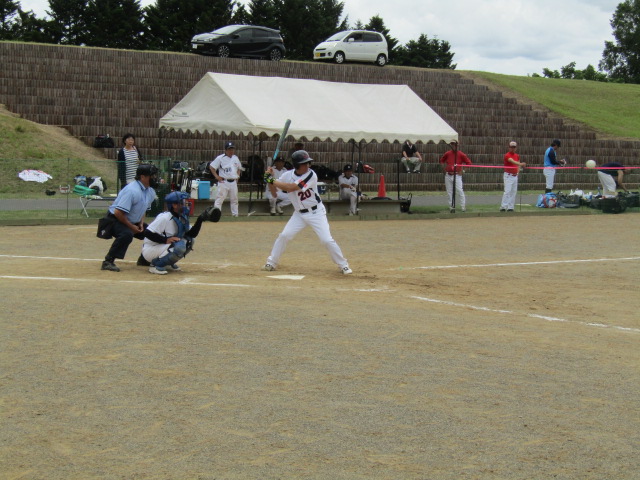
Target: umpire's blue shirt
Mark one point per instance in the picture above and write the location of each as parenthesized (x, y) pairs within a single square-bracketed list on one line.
[(134, 200)]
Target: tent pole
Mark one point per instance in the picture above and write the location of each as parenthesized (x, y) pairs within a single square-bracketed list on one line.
[(251, 177)]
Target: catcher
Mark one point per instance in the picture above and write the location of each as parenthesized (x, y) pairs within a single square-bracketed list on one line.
[(170, 237)]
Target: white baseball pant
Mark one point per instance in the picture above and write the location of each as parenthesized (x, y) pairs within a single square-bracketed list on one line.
[(282, 198), (317, 220), (231, 189), (352, 196), (549, 175), (460, 198), (510, 191), (411, 163), (608, 184)]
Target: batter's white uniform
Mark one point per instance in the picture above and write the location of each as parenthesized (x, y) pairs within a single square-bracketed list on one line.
[(164, 225), (282, 198), (229, 169), (309, 211), (350, 193)]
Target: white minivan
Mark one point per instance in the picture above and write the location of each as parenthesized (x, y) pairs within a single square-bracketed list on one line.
[(354, 45)]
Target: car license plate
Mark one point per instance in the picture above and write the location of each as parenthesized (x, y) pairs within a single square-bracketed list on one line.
[(194, 45)]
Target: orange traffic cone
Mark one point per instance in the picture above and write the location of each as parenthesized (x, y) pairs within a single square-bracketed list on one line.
[(382, 191)]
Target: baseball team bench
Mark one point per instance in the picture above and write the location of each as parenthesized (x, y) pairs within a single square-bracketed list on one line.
[(334, 207)]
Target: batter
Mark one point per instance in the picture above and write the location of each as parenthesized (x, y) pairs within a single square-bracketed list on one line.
[(301, 184)]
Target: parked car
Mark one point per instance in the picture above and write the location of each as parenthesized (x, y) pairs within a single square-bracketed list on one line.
[(354, 45), (241, 41)]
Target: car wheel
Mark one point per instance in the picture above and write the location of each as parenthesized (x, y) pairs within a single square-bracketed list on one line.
[(381, 61), (338, 57), (223, 51), (275, 55)]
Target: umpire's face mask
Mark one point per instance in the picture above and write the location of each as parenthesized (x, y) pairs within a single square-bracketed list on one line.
[(153, 181)]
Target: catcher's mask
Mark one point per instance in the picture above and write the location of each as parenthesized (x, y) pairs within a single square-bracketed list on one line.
[(299, 157), (150, 171)]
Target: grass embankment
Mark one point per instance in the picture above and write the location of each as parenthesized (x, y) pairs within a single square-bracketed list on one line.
[(26, 145), (608, 108)]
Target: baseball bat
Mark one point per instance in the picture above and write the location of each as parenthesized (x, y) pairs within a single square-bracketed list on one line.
[(281, 140)]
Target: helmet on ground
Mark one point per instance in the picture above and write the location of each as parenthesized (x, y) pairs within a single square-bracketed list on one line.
[(147, 169), (299, 157)]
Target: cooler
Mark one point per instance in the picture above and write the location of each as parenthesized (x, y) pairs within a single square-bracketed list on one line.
[(204, 188)]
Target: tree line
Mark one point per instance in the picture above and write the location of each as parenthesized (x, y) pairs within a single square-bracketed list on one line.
[(620, 59), (169, 25)]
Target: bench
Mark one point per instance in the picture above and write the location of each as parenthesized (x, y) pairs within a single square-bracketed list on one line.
[(334, 207)]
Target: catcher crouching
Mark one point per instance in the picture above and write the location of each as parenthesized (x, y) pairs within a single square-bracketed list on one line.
[(169, 238)]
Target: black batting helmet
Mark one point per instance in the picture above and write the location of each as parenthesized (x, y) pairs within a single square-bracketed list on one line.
[(299, 157)]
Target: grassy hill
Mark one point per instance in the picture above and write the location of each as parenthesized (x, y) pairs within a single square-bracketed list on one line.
[(29, 145), (611, 109)]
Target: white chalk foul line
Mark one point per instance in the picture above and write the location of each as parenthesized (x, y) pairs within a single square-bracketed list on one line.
[(96, 280), (531, 315), (514, 264)]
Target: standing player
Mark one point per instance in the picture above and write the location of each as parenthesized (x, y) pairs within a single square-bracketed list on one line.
[(454, 160), (301, 184), (512, 166), (349, 188), (227, 169), (280, 199), (550, 163)]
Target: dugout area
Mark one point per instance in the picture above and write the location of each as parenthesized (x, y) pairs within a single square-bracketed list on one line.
[(467, 347)]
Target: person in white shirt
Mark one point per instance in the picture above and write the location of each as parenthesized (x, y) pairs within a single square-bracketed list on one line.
[(280, 199), (349, 188), (301, 184), (226, 168)]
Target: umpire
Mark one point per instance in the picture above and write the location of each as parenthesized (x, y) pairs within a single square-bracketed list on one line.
[(128, 211)]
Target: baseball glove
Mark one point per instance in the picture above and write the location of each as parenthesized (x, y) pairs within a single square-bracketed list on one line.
[(211, 214)]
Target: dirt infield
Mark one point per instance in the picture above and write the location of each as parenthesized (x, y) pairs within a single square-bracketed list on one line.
[(466, 348)]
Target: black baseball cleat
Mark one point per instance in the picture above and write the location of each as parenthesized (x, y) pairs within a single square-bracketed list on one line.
[(142, 262), (109, 266)]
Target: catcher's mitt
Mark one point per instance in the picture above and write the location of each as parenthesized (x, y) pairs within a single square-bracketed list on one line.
[(211, 214)]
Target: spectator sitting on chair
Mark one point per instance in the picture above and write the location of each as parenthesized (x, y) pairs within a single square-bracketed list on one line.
[(611, 178), (411, 158), (281, 199), (349, 188), (128, 211)]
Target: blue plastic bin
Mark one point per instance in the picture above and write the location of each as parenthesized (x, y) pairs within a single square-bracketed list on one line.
[(204, 189)]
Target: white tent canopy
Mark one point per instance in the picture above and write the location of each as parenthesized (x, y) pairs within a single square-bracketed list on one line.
[(242, 104)]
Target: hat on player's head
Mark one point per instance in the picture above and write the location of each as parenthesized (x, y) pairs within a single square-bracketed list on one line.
[(453, 141), (348, 167), (513, 144), (229, 145), (278, 159), (300, 157), (556, 142)]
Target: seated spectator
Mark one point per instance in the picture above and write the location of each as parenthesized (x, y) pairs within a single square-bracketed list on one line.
[(411, 158), (281, 199)]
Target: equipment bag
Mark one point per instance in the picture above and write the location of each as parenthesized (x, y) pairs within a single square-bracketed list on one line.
[(547, 200), (613, 205), (105, 227), (103, 141)]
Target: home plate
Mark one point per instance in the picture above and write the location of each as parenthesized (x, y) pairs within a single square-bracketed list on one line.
[(287, 277)]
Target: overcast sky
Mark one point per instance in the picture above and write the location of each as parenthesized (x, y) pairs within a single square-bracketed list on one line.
[(516, 37)]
